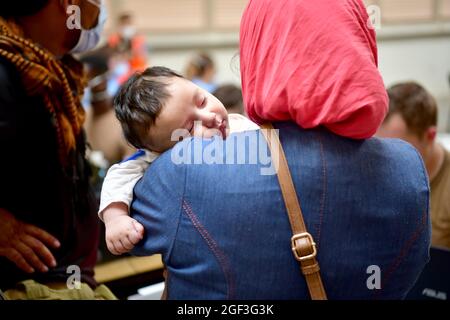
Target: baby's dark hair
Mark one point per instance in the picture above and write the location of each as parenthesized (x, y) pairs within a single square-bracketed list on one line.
[(139, 102)]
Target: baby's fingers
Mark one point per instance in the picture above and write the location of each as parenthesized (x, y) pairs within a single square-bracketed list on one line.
[(139, 229), (126, 245), (136, 234), (112, 248)]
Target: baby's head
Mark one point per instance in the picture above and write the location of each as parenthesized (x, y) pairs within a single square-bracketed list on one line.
[(153, 104)]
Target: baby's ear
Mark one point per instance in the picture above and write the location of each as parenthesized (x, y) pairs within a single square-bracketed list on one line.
[(431, 133)]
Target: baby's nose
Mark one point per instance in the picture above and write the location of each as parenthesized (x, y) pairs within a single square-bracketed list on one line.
[(210, 120)]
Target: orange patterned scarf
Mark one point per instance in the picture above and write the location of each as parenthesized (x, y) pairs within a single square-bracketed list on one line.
[(60, 83)]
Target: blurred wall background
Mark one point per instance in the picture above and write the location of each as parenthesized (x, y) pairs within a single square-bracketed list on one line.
[(414, 38)]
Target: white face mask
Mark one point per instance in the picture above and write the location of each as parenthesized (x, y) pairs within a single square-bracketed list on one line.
[(128, 32), (89, 39)]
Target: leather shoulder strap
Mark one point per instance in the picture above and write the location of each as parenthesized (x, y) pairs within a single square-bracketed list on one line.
[(303, 245)]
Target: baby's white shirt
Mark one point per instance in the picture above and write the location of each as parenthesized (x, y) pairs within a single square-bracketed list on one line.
[(122, 177)]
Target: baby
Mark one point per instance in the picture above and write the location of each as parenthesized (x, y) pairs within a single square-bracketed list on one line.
[(151, 106)]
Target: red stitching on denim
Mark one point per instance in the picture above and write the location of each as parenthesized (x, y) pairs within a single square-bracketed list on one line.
[(220, 256), (397, 262), (324, 188)]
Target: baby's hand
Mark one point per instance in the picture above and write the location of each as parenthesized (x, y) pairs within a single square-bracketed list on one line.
[(122, 231)]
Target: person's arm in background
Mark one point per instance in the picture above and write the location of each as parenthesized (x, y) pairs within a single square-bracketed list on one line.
[(23, 244)]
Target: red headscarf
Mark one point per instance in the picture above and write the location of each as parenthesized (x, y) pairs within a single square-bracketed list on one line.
[(313, 62)]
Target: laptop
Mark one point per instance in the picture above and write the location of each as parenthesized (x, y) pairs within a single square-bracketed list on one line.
[(434, 282)]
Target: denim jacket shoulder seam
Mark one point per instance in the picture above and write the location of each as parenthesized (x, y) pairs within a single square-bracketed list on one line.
[(324, 188), (214, 248), (425, 178), (406, 249)]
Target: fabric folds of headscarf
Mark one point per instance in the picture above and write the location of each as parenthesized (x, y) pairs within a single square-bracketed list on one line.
[(58, 82), (313, 62)]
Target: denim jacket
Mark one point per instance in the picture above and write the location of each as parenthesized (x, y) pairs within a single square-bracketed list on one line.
[(223, 230)]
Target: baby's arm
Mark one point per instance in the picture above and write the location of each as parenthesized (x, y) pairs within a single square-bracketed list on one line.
[(122, 231)]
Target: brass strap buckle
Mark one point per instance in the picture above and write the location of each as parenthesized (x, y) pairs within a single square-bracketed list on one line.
[(297, 255)]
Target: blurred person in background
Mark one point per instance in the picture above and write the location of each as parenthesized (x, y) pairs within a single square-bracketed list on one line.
[(127, 39), (103, 130), (413, 117), (231, 97), (130, 51), (201, 70), (48, 225)]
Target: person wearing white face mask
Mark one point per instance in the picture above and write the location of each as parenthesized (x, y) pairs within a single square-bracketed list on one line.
[(90, 35), (48, 223), (130, 50)]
